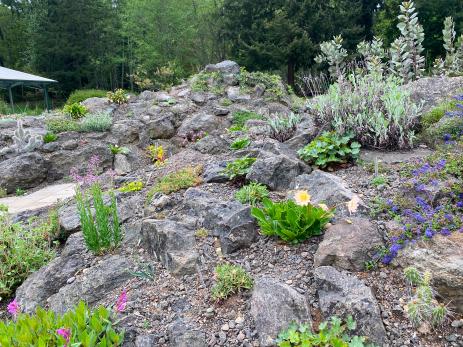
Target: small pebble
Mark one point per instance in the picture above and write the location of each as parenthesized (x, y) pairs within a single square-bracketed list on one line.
[(70, 280), (225, 327), (457, 323)]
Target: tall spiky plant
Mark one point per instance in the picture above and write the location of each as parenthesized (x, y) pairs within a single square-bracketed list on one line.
[(406, 59), (373, 53), (453, 63), (334, 54)]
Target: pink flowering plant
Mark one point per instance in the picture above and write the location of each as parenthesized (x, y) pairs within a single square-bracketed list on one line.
[(77, 327)]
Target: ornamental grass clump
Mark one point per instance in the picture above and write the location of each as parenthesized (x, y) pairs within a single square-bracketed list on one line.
[(293, 222), (377, 111), (230, 279), (423, 307), (252, 193), (79, 326), (101, 229), (283, 127), (175, 181)]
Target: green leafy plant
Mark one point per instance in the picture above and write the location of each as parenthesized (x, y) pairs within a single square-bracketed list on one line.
[(173, 182), (98, 122), (239, 167), (226, 102), (83, 94), (379, 181), (201, 233), (208, 82), (330, 148), (23, 250), (50, 137), (378, 112), (20, 192), (240, 143), (334, 333), (241, 117), (115, 149), (272, 84), (3, 208), (230, 279), (282, 128), (437, 113), (334, 54), (101, 229), (129, 187), (293, 223), (75, 111), (252, 193), (156, 154), (58, 125), (423, 306), (3, 192), (77, 327), (119, 96)]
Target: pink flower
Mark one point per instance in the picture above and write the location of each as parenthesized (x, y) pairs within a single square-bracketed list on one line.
[(121, 301), (13, 308), (65, 333)]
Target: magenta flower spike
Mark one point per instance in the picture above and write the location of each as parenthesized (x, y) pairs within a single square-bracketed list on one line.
[(121, 301), (65, 333), (13, 308)]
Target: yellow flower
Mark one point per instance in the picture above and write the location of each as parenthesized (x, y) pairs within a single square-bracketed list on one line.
[(324, 207), (302, 197)]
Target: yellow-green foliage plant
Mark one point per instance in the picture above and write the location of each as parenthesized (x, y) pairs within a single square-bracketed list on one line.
[(119, 96), (230, 279), (129, 187), (75, 111), (77, 327), (173, 182)]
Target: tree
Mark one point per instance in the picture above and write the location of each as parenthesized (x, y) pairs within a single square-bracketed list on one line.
[(268, 35)]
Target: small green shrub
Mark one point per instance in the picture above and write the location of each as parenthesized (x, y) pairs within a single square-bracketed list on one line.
[(208, 82), (282, 128), (75, 111), (20, 192), (240, 143), (330, 334), (239, 167), (98, 122), (330, 148), (115, 149), (101, 230), (84, 94), (273, 85), (129, 187), (252, 193), (173, 182), (3, 192), (58, 125), (201, 233), (447, 127), (3, 208), (230, 279), (379, 181), (226, 102), (423, 306), (291, 222), (241, 117), (23, 250), (119, 96), (50, 137), (77, 327), (435, 115)]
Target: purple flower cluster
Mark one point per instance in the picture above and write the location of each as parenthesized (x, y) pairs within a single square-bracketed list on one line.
[(459, 108), (91, 175)]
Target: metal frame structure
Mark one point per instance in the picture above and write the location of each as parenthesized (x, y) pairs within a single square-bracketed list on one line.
[(10, 78)]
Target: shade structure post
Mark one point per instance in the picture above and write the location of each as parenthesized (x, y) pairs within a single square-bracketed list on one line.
[(10, 94), (45, 95)]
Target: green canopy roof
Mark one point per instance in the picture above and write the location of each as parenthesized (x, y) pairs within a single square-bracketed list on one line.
[(11, 78)]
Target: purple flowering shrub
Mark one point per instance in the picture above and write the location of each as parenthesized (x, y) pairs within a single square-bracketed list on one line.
[(430, 203)]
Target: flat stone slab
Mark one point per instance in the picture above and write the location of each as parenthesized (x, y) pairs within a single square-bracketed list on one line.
[(395, 157), (45, 197)]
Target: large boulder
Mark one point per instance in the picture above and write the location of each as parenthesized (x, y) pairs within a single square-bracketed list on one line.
[(93, 284), (348, 245), (274, 306), (231, 221), (127, 131), (42, 284), (203, 122), (25, 171), (172, 243), (98, 105), (325, 188), (161, 128), (443, 258), (341, 294), (226, 67)]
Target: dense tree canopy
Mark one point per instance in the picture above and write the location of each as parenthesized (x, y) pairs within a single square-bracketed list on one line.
[(152, 43)]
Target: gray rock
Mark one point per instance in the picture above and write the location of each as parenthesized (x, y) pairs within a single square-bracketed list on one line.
[(98, 105), (93, 284), (171, 243), (443, 257), (69, 220), (146, 341), (50, 147), (121, 164), (212, 144), (348, 246), (234, 94), (161, 128), (70, 144), (231, 221), (325, 188), (220, 111), (341, 294), (213, 173), (42, 284), (182, 335), (203, 122), (274, 306), (395, 157), (226, 67), (198, 98), (126, 131), (24, 171)]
